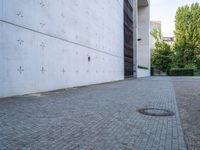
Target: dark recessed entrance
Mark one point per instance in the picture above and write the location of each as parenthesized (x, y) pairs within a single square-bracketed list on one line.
[(128, 39)]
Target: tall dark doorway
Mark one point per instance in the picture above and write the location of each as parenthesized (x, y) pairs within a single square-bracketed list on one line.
[(128, 39)]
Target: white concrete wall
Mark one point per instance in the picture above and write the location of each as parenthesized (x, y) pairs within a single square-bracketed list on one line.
[(45, 44), (143, 52), (135, 36), (143, 73)]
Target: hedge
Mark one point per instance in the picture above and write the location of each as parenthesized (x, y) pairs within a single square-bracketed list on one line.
[(181, 72)]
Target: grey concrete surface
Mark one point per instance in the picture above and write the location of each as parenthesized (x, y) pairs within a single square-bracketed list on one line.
[(188, 100), (45, 44), (99, 117)]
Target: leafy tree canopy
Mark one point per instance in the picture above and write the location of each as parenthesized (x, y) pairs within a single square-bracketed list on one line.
[(162, 54), (187, 36)]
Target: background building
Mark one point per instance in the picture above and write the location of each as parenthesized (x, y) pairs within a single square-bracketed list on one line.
[(168, 40), (50, 45)]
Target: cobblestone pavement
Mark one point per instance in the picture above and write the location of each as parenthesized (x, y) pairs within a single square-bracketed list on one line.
[(188, 99), (99, 117)]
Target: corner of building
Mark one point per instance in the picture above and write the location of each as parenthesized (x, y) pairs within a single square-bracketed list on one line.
[(143, 37)]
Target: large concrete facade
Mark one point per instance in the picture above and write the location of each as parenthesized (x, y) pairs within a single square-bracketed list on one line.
[(49, 45), (143, 52)]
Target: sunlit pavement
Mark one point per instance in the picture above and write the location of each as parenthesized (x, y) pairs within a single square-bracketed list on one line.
[(95, 117)]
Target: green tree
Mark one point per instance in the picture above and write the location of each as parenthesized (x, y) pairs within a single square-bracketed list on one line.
[(162, 55), (187, 36)]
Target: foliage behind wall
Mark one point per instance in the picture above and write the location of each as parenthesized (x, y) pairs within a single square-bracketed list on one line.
[(187, 36), (185, 52)]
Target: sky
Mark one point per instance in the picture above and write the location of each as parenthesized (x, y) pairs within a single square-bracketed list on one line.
[(165, 11)]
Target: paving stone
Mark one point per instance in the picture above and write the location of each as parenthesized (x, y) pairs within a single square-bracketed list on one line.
[(98, 117)]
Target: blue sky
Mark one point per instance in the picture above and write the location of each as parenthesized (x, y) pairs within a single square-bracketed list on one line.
[(165, 10)]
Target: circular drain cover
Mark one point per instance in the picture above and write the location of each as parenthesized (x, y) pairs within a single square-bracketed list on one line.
[(155, 112)]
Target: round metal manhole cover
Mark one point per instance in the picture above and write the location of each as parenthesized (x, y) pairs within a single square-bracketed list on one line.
[(155, 112)]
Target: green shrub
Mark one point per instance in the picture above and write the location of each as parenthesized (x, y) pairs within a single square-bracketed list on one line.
[(181, 72), (191, 66), (168, 71)]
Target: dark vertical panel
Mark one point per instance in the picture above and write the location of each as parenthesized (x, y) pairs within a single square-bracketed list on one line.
[(128, 39)]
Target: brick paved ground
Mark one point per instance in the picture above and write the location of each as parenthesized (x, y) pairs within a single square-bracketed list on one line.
[(100, 117), (188, 98)]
